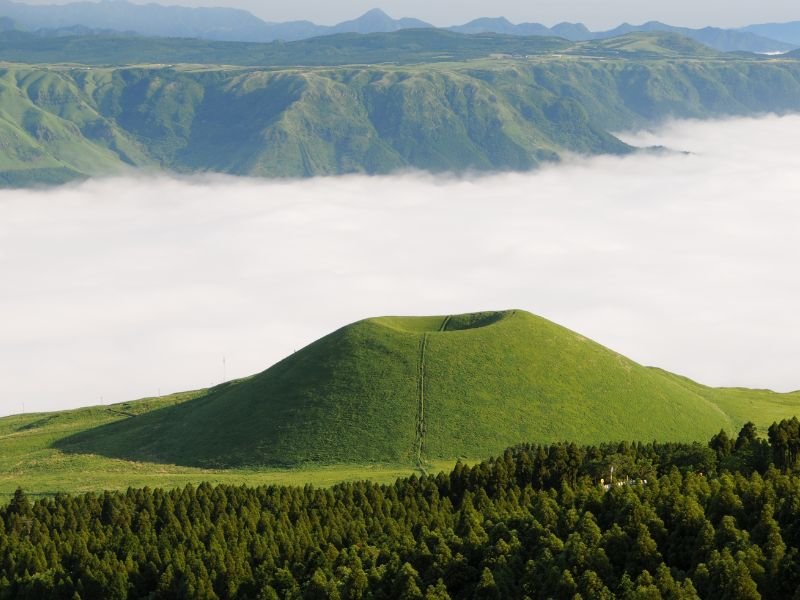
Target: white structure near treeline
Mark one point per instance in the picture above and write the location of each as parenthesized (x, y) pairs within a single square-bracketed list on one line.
[(623, 482)]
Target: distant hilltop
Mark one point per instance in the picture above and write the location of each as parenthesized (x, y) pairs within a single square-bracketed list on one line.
[(229, 24), (75, 107)]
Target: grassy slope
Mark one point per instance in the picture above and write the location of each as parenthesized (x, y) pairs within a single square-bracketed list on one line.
[(349, 397), (29, 459), (762, 407), (647, 45), (354, 396), (58, 123), (401, 47), (51, 131), (348, 407), (526, 378)]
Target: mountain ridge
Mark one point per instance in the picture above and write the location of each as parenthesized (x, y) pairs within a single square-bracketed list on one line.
[(211, 23), (725, 40), (455, 104), (788, 33), (228, 24)]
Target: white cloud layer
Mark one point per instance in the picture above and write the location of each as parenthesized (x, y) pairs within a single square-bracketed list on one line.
[(122, 288)]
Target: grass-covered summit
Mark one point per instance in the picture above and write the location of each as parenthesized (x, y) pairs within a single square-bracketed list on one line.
[(413, 389)]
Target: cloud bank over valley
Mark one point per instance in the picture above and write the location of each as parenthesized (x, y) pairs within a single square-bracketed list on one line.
[(122, 288)]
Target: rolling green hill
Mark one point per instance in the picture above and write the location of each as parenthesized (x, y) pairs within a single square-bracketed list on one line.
[(401, 47), (647, 45), (513, 111), (377, 399), (406, 390)]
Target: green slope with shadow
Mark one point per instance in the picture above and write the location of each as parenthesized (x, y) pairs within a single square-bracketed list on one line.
[(490, 103), (491, 380)]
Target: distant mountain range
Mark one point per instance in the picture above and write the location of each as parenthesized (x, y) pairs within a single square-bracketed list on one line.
[(228, 24), (220, 24), (494, 102), (725, 40), (783, 32)]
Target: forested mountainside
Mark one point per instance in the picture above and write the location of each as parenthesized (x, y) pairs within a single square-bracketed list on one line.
[(62, 122)]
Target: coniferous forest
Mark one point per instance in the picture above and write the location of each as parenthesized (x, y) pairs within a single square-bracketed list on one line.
[(716, 520)]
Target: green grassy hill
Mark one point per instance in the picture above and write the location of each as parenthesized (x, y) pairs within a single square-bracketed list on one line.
[(409, 390), (411, 46), (52, 131), (457, 109), (377, 399), (647, 45)]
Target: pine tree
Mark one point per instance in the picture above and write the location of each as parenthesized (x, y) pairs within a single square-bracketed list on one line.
[(487, 588), (437, 592), (408, 584)]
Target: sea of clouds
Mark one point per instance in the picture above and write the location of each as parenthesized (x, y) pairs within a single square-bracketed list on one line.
[(121, 288)]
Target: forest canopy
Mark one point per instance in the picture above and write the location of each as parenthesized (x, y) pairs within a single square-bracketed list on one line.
[(716, 520)]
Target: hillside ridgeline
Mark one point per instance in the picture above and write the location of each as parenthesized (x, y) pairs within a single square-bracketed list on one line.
[(60, 123), (408, 390)]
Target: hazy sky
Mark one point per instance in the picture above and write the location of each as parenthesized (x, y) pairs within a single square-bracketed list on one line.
[(117, 289), (595, 13)]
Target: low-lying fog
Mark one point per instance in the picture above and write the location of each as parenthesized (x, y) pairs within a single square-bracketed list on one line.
[(117, 289)]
